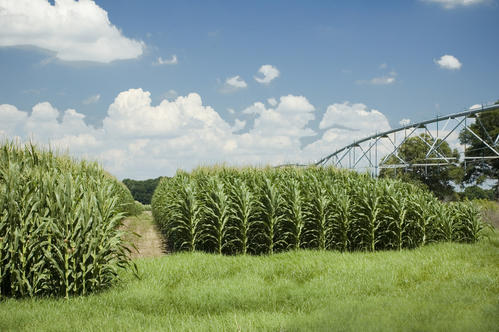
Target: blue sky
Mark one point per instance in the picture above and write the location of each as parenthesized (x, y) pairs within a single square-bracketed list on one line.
[(336, 71)]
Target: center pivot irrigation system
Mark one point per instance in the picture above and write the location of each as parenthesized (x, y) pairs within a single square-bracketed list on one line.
[(371, 153)]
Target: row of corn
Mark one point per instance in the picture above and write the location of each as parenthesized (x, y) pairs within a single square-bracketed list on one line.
[(59, 224), (266, 210)]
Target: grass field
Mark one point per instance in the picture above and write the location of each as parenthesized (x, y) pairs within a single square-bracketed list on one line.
[(442, 287)]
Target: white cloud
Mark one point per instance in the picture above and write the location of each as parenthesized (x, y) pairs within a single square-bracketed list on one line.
[(346, 122), (449, 62), (132, 115), (476, 106), (272, 101), (269, 73), (46, 126), (382, 80), (161, 61), (137, 146), (404, 122), (142, 140), (451, 4), (354, 117), (289, 118), (73, 30), (170, 94), (238, 125), (236, 82), (75, 142), (12, 119), (92, 99)]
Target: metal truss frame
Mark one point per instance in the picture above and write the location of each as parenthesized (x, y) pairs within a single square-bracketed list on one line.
[(363, 154)]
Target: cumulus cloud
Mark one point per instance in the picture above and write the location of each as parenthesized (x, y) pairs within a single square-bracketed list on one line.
[(73, 30), (236, 82), (131, 114), (356, 117), (272, 101), (139, 139), (451, 4), (289, 118), (12, 119), (161, 61), (238, 125), (46, 125), (170, 94), (268, 72), (449, 62), (92, 99), (232, 84), (344, 123)]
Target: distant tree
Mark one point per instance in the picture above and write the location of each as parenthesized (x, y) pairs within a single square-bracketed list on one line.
[(142, 191), (486, 126), (438, 179), (475, 192)]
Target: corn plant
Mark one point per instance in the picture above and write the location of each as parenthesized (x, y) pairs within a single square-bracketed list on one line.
[(469, 223), (342, 219), (266, 210), (270, 214), (59, 224), (185, 216), (368, 216), (395, 211), (294, 214), (243, 210), (216, 214), (423, 214), (318, 212), (447, 224)]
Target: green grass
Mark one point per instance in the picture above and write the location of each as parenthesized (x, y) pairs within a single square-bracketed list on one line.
[(441, 287)]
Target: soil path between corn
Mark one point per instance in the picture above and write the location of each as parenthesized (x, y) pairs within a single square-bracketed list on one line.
[(150, 242)]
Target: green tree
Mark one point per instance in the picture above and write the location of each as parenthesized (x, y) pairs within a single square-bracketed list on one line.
[(486, 126), (142, 191), (475, 192), (439, 178)]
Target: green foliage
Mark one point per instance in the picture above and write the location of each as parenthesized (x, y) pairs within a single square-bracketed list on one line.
[(475, 192), (142, 191), (263, 211), (127, 205), (489, 211), (437, 178), (138, 208), (486, 126), (59, 224)]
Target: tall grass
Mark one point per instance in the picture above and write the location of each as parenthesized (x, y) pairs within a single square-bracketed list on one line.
[(59, 224), (252, 210)]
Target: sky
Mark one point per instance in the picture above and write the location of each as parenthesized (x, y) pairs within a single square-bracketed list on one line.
[(149, 87)]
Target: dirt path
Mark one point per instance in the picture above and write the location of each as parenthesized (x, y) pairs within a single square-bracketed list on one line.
[(150, 242)]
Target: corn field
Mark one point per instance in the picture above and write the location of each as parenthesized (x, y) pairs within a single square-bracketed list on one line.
[(59, 224), (263, 211)]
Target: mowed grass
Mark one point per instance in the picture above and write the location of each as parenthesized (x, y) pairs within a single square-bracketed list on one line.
[(441, 287)]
